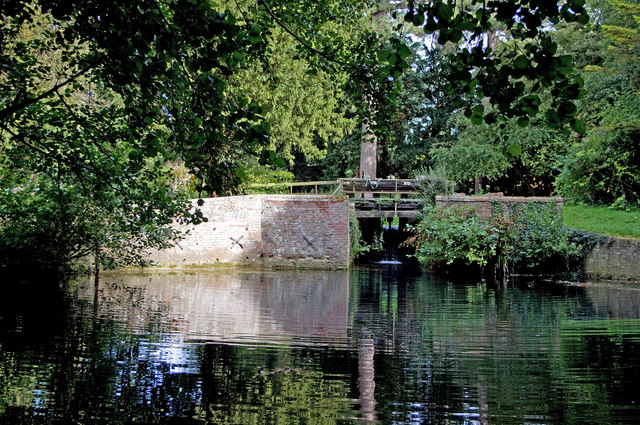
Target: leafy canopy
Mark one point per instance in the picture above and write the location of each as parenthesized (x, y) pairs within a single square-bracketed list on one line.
[(480, 72)]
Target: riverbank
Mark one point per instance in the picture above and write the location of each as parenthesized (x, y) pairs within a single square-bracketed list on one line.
[(602, 220)]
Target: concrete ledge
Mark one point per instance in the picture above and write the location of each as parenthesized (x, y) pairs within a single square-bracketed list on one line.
[(615, 259)]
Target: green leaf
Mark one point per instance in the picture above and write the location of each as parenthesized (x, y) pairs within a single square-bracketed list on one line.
[(549, 46), (238, 56), (579, 126), (531, 99), (565, 60), (563, 70), (553, 119), (523, 122), (521, 62), (444, 11), (567, 110), (583, 18), (478, 110), (404, 51), (383, 55), (403, 65), (394, 58), (490, 118), (515, 150)]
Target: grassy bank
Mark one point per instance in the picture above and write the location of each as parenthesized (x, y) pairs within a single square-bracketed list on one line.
[(603, 220)]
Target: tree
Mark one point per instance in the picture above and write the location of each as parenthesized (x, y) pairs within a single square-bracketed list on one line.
[(90, 116), (602, 167), (303, 105)]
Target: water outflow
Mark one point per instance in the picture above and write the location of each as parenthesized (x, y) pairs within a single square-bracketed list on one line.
[(391, 239)]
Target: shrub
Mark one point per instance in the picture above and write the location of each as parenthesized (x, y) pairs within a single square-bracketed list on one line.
[(537, 239), (434, 182), (355, 237), (265, 179), (532, 238), (454, 235), (603, 168)]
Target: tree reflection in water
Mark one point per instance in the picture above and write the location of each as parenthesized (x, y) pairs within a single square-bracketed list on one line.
[(372, 345)]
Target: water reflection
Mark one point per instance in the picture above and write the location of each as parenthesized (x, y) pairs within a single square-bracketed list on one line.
[(271, 307), (366, 346)]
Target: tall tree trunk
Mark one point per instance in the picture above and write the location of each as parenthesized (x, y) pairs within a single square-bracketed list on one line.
[(477, 185), (368, 151)]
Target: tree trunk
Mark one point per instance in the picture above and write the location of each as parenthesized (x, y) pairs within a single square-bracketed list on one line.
[(368, 152), (477, 186)]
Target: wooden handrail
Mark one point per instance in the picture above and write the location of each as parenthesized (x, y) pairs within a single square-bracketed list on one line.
[(351, 186), (291, 185)]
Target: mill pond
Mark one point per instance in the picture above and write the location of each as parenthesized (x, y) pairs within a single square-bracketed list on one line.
[(370, 345)]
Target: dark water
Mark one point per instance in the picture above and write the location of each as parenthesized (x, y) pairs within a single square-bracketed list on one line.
[(369, 345)]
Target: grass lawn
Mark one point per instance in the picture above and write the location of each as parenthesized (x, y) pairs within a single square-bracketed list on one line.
[(602, 220)]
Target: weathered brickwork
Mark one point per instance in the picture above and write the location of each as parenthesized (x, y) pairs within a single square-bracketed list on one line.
[(616, 258), (483, 204), (269, 230)]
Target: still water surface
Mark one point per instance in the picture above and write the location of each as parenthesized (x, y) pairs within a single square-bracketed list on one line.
[(375, 345)]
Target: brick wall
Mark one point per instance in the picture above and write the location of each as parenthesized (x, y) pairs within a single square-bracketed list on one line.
[(483, 203), (269, 230)]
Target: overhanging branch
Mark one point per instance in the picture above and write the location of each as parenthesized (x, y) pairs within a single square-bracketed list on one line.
[(298, 39), (8, 112)]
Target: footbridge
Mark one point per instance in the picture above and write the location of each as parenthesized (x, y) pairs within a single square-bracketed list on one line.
[(371, 198)]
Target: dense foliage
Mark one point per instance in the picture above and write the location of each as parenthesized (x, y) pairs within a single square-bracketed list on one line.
[(603, 167), (528, 237), (445, 236), (594, 165), (99, 99)]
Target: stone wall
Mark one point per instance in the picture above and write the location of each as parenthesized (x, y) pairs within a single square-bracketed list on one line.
[(615, 258), (267, 230), (483, 204)]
